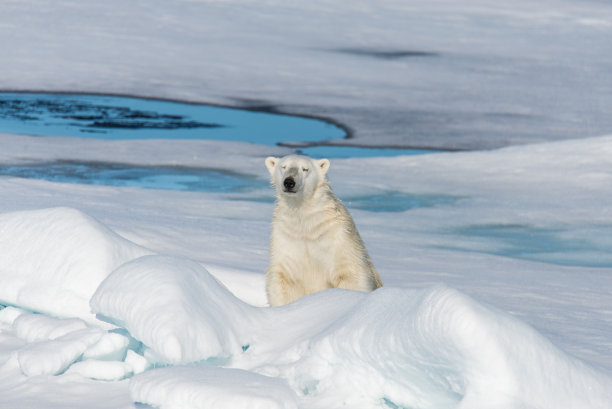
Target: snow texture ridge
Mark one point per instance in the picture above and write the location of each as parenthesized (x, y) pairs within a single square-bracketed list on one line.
[(467, 74), (211, 387), (175, 307), (54, 259), (429, 348), (444, 349)]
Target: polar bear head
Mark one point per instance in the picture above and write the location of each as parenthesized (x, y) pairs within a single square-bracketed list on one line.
[(297, 176)]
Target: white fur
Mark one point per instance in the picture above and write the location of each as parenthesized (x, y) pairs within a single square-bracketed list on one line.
[(314, 243)]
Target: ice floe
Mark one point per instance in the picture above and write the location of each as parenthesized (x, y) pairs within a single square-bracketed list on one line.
[(434, 347)]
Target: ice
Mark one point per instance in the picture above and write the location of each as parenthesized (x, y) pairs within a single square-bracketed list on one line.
[(444, 350), (54, 259), (8, 315), (101, 370), (55, 356), (501, 332), (467, 74), (175, 307), (211, 387), (137, 362), (60, 392), (111, 347), (36, 327), (401, 346)]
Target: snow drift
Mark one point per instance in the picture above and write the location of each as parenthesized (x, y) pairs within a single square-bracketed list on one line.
[(426, 348), (54, 259), (497, 75), (175, 307), (211, 387)]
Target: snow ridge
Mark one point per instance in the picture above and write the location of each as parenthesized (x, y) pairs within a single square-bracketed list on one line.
[(396, 347), (54, 259)]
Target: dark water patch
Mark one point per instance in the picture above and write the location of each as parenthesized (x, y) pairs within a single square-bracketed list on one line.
[(258, 105), (114, 117), (385, 54), (85, 114), (169, 178), (120, 118)]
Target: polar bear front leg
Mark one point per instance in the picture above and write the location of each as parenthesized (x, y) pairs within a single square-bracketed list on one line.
[(350, 280), (280, 289)]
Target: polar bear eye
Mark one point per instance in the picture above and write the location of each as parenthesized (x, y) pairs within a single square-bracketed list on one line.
[(305, 169), (284, 167)]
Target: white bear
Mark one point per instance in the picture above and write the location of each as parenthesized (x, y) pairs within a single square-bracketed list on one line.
[(314, 244)]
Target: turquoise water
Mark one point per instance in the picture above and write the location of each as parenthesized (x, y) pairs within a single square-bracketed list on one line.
[(110, 117), (113, 117), (110, 174), (338, 152), (527, 242), (393, 201), (107, 117), (202, 180), (386, 201)]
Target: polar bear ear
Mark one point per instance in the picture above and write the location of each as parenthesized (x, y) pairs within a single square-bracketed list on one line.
[(323, 164), (271, 162)]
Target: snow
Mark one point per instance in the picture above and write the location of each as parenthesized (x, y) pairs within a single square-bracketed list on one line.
[(111, 347), (395, 347), (498, 296), (36, 327), (57, 280), (189, 296), (54, 356), (175, 307), (208, 387), (102, 370), (489, 74)]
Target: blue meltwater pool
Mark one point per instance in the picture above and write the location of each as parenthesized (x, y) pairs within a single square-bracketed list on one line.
[(115, 117)]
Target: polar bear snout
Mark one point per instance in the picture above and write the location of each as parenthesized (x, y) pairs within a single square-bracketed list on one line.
[(289, 184)]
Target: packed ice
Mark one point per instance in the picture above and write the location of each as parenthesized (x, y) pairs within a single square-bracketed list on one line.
[(396, 347)]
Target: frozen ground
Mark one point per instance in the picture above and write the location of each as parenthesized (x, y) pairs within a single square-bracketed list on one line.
[(467, 74), (497, 284), (455, 325)]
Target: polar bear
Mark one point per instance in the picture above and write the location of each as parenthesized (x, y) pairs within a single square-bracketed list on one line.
[(314, 244)]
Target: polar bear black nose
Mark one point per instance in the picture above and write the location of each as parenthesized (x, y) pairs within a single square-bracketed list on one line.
[(289, 183)]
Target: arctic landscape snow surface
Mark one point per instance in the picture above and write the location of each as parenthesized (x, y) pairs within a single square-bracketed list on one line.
[(496, 256)]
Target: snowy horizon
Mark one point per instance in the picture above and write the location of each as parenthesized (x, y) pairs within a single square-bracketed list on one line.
[(462, 75), (497, 280)]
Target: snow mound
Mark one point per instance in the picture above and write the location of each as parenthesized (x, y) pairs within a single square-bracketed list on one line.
[(433, 348), (392, 348), (37, 327), (101, 370), (211, 387), (54, 259), (111, 347), (176, 308), (55, 356)]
